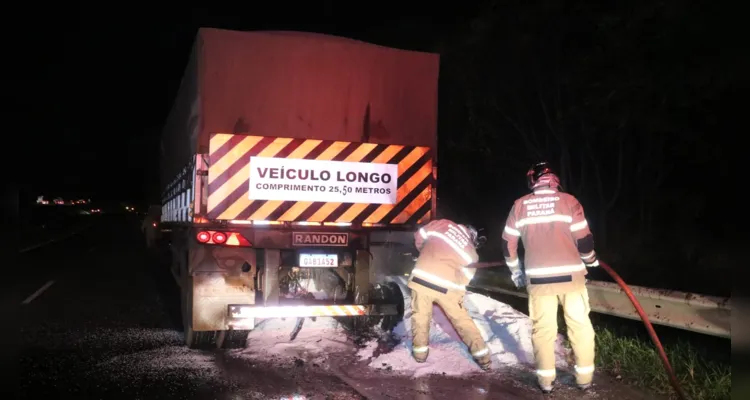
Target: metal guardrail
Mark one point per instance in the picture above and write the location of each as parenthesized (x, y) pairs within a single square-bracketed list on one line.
[(709, 315)]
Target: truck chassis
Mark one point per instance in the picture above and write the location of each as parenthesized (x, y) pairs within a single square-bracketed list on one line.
[(225, 289)]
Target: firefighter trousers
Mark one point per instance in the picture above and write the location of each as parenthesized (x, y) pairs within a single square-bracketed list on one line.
[(452, 304), (543, 314)]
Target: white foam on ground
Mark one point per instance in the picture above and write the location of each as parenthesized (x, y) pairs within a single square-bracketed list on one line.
[(506, 330), (314, 342)]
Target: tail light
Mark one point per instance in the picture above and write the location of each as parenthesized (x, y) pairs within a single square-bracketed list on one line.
[(222, 238), (203, 237), (219, 237)]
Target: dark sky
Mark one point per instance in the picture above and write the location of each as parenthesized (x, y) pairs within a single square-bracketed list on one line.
[(99, 85)]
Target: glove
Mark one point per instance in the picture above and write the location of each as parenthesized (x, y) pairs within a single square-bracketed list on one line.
[(518, 279)]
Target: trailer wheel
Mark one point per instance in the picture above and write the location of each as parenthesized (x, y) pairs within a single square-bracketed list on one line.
[(366, 326), (232, 339), (200, 340), (391, 294)]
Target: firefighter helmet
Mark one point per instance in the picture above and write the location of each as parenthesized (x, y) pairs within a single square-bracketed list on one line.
[(477, 240), (541, 174)]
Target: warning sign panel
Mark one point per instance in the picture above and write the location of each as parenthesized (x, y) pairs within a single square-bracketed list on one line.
[(327, 181)]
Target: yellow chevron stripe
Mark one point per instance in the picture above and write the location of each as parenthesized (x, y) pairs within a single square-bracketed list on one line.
[(356, 156), (305, 148), (300, 152), (221, 165), (218, 140), (425, 218), (357, 208), (332, 151), (232, 183), (265, 210), (360, 152), (413, 207), (387, 154), (243, 202), (352, 212), (299, 207), (294, 211), (407, 162), (248, 142)]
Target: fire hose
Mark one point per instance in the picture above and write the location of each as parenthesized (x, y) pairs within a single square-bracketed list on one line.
[(649, 327)]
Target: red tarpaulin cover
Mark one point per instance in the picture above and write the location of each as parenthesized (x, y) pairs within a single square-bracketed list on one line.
[(300, 85)]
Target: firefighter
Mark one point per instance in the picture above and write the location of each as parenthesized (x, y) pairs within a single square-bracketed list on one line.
[(558, 247), (439, 276)]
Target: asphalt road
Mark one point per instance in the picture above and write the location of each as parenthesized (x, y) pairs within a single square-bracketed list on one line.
[(99, 320)]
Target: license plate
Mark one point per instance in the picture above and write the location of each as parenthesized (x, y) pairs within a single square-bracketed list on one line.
[(318, 260)]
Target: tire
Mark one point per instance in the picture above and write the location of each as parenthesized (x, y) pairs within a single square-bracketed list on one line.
[(200, 340), (388, 293), (233, 339), (392, 295)]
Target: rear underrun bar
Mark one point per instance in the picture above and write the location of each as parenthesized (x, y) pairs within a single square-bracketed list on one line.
[(241, 311)]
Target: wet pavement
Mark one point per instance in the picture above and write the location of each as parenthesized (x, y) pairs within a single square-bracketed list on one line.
[(99, 319), (510, 383)]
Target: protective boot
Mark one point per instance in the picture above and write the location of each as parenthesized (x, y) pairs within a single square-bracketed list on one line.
[(546, 388), (484, 362), (420, 356), (584, 387)]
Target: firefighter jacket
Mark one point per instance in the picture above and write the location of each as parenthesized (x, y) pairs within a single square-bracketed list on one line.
[(445, 249), (557, 241)]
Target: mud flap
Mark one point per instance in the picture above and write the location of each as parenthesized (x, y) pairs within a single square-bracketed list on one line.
[(220, 276)]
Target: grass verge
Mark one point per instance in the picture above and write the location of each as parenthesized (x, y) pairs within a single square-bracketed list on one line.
[(638, 363)]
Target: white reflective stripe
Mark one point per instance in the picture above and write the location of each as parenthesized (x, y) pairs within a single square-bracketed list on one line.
[(546, 219), (513, 263), (585, 370), (436, 279), (546, 372), (554, 270), (588, 255), (420, 349), (423, 233), (593, 264), (452, 244), (469, 272), (544, 191), (578, 226), (481, 353), (511, 231)]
